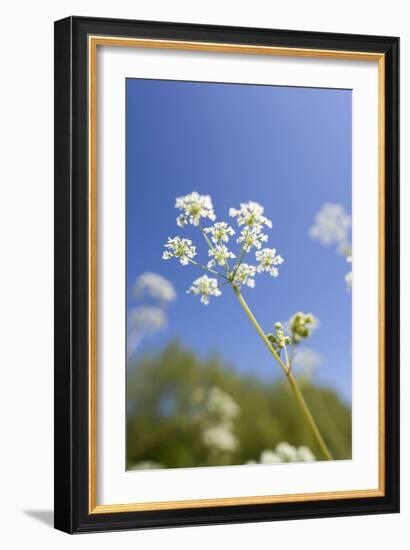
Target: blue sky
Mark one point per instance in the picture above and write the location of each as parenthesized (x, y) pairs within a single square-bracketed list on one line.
[(286, 148)]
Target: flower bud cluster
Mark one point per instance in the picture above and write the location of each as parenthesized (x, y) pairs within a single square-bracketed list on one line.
[(301, 325), (278, 338)]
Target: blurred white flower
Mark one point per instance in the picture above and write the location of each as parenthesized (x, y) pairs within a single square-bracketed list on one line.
[(205, 287), (349, 275), (222, 404), (147, 465), (250, 214), (143, 321), (306, 358), (154, 286), (269, 457), (183, 249), (332, 224), (305, 454), (216, 413), (220, 232), (245, 275), (285, 452), (221, 254), (194, 207), (147, 318), (268, 260), (220, 437)]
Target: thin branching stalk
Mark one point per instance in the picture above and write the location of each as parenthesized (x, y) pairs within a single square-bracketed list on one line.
[(193, 262), (291, 379)]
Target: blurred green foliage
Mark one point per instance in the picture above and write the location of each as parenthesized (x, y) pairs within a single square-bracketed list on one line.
[(162, 426)]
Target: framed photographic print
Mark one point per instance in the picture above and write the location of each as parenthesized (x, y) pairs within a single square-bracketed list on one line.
[(226, 274)]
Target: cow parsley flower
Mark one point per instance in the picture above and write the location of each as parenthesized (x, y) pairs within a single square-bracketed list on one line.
[(220, 255), (251, 221), (194, 207), (245, 275), (205, 287), (250, 214), (252, 236), (183, 249), (268, 260), (220, 232)]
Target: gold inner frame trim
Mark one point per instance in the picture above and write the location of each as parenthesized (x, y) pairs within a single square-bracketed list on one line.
[(93, 42)]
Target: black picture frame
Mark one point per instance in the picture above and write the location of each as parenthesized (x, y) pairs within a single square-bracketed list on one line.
[(72, 277)]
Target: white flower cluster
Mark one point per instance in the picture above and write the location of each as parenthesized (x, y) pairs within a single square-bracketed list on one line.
[(183, 249), (284, 452), (268, 260), (205, 287), (194, 207), (251, 221), (250, 214), (252, 237), (220, 232), (245, 275), (220, 255)]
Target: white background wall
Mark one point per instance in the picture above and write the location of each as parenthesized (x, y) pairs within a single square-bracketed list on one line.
[(26, 264)]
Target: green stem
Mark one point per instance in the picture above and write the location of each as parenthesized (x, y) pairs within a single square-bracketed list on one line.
[(206, 237), (242, 254), (287, 357), (208, 269), (292, 381), (313, 426)]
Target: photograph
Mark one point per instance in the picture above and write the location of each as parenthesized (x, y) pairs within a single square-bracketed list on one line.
[(238, 274)]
